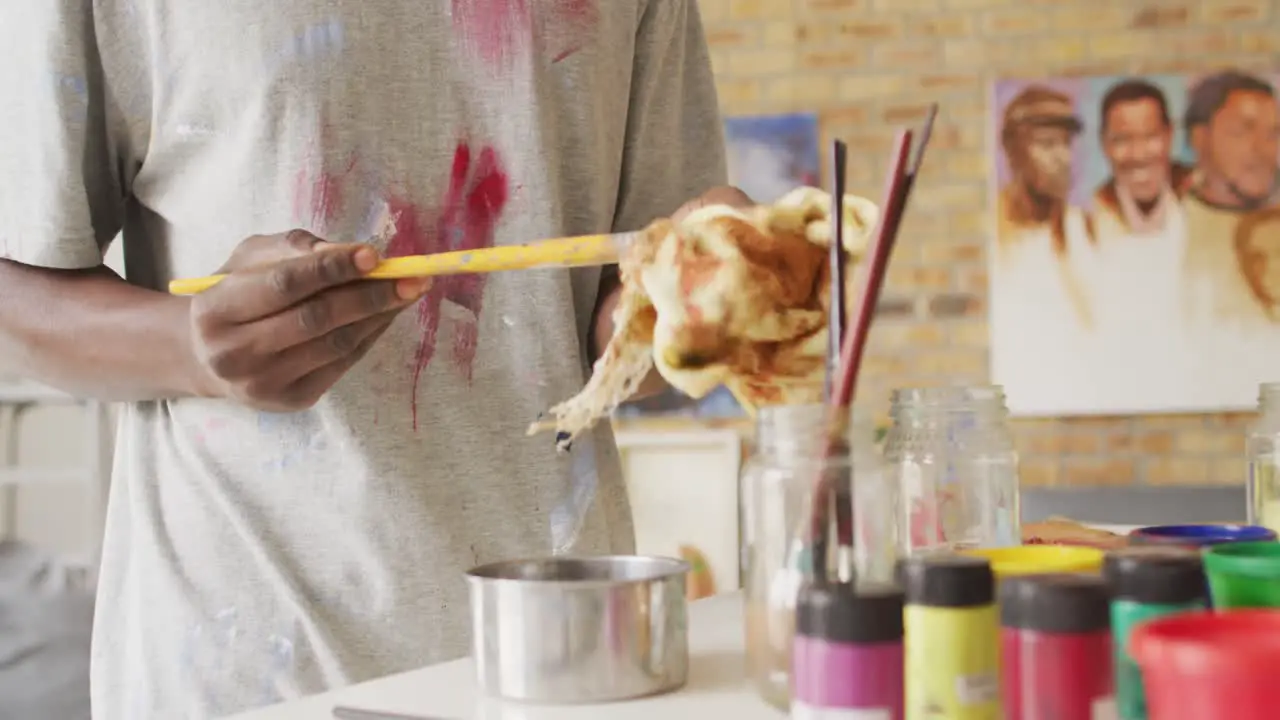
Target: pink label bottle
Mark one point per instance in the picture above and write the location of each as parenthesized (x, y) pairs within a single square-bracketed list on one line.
[(847, 659)]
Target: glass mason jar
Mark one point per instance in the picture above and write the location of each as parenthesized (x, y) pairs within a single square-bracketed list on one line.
[(1263, 448), (776, 511), (952, 454)]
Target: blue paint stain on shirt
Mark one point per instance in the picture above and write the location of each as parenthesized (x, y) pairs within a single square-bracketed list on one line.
[(374, 215), (219, 654), (456, 237), (75, 85), (320, 39), (75, 99), (570, 515), (300, 437), (279, 661)]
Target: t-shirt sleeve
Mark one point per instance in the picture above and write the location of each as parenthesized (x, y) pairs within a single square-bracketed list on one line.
[(674, 147), (60, 205)]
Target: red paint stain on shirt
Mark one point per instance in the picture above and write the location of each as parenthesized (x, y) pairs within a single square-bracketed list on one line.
[(502, 30), (571, 25), (496, 29), (466, 219), (318, 190)]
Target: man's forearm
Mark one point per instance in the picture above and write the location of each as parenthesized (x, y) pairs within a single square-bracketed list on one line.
[(91, 334)]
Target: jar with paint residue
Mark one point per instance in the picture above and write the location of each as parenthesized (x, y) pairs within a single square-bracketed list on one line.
[(1263, 450), (778, 554), (952, 453)]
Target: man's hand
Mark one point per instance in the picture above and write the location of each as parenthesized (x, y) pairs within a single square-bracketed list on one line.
[(291, 317), (725, 195)]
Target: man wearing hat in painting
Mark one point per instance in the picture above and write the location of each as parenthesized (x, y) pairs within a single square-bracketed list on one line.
[(1039, 128), (1041, 311), (1233, 124)]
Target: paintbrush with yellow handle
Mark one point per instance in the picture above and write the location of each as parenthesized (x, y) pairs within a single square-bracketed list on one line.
[(582, 251)]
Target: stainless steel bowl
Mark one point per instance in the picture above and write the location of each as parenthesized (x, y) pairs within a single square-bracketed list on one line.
[(580, 630)]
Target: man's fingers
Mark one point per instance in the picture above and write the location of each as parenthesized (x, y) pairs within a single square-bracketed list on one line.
[(725, 195), (262, 250), (257, 293), (315, 384), (295, 363), (332, 312)]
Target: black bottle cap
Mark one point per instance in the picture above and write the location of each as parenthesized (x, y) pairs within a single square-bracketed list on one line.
[(1055, 603), (947, 580), (1155, 574), (839, 613)]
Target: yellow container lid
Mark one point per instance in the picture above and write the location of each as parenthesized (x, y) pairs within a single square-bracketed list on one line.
[(1039, 559)]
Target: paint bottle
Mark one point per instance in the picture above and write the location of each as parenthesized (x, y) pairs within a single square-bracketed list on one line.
[(1146, 583), (1055, 648), (847, 653), (952, 638)]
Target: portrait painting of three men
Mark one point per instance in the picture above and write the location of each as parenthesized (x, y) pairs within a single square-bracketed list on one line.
[(1135, 258)]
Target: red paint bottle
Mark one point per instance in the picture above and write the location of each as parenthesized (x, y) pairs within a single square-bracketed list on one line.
[(1055, 642)]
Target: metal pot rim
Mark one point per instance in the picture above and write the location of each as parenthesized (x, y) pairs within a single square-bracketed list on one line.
[(660, 568)]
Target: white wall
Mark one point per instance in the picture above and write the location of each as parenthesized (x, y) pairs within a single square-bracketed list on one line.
[(57, 516), (48, 511)]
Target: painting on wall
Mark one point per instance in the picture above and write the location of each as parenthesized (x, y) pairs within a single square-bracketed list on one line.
[(768, 155), (1135, 262)]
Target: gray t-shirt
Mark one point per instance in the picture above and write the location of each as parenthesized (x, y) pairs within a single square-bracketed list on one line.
[(253, 557)]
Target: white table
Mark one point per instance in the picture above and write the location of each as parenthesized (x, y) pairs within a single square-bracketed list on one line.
[(717, 684)]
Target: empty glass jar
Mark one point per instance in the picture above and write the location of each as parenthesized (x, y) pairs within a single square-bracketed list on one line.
[(777, 513), (1263, 448), (952, 454)]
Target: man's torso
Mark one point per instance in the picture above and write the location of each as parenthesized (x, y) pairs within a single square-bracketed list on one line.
[(254, 557)]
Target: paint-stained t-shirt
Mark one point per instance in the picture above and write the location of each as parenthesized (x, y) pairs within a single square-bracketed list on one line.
[(253, 557)]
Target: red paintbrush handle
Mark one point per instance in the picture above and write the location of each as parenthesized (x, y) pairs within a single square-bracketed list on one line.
[(873, 277)]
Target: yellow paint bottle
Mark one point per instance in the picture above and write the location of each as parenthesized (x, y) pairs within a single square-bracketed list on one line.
[(952, 629)]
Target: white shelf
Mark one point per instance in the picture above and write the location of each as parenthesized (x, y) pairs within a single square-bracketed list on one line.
[(91, 476), (40, 476), (15, 392)]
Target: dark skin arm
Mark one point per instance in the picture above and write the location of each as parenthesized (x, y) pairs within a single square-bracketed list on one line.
[(290, 321), (91, 334), (612, 289), (292, 316)]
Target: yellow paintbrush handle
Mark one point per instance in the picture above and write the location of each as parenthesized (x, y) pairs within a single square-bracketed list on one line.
[(193, 286), (565, 252)]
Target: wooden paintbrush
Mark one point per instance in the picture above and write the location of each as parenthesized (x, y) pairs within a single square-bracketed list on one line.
[(898, 186)]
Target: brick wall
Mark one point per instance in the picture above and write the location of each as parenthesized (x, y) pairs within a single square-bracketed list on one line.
[(867, 66)]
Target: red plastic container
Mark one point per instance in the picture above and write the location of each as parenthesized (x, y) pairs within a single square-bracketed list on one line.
[(1203, 666)]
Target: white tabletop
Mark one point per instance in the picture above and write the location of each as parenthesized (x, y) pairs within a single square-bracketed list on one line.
[(716, 688), (717, 685)]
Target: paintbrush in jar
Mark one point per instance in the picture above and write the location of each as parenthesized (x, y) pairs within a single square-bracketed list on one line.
[(900, 182), (838, 480)]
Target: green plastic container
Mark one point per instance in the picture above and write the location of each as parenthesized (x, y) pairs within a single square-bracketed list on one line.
[(1244, 575)]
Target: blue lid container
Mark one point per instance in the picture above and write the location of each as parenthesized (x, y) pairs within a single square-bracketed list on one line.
[(1198, 536)]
